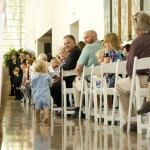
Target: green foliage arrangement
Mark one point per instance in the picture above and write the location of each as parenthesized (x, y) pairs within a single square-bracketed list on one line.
[(13, 51)]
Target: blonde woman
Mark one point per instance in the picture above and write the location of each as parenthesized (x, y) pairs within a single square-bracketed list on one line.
[(112, 43), (114, 53), (40, 84)]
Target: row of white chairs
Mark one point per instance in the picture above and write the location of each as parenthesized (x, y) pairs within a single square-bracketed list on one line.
[(92, 93), (96, 93)]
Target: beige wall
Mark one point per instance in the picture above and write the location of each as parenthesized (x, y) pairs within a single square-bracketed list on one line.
[(58, 15)]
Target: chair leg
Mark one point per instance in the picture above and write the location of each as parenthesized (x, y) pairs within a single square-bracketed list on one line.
[(95, 107), (65, 106), (139, 117), (89, 112), (113, 109), (52, 105), (130, 111), (148, 129), (100, 107), (121, 116), (70, 99), (81, 102), (105, 109), (86, 105), (90, 107)]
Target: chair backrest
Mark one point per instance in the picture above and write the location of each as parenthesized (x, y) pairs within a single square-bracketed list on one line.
[(122, 68), (66, 73), (139, 64), (109, 68), (97, 70), (142, 63), (55, 73), (105, 69), (86, 72), (96, 76)]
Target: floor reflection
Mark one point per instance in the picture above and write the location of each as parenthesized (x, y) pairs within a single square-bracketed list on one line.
[(42, 138), (86, 135), (21, 132)]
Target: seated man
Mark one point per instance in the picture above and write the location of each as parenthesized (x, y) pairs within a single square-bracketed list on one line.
[(73, 55), (87, 58), (140, 47)]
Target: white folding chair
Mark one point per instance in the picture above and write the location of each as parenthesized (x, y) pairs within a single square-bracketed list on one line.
[(120, 70), (148, 128), (137, 92), (95, 81), (105, 91), (85, 90), (65, 91)]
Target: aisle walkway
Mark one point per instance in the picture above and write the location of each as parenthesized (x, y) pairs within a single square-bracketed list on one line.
[(21, 132)]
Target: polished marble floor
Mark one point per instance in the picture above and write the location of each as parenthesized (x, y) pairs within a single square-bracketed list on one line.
[(19, 131)]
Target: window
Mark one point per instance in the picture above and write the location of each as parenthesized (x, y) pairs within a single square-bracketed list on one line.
[(14, 34)]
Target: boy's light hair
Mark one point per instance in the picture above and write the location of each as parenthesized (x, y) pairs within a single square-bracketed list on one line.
[(101, 51), (55, 59), (39, 66), (62, 49)]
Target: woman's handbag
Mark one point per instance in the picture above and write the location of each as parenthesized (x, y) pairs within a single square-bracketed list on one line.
[(78, 83)]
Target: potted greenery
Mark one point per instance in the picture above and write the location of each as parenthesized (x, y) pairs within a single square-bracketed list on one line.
[(7, 56)]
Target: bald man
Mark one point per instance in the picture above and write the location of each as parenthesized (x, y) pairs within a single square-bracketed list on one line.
[(87, 58)]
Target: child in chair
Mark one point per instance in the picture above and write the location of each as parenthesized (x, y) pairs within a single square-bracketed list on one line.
[(55, 64), (40, 84)]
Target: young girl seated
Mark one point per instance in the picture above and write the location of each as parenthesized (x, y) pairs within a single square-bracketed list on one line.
[(114, 53), (40, 84), (55, 64)]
